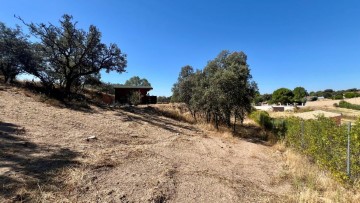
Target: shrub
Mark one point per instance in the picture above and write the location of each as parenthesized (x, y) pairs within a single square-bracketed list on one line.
[(326, 144), (351, 94), (263, 119), (135, 98), (347, 105), (338, 96), (279, 127)]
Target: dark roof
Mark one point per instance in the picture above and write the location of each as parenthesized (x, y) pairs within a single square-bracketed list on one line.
[(133, 87)]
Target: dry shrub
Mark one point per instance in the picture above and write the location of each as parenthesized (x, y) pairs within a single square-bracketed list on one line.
[(74, 177), (50, 101), (303, 109), (175, 111), (312, 184)]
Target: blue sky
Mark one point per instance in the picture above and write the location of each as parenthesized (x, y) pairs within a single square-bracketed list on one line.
[(289, 43)]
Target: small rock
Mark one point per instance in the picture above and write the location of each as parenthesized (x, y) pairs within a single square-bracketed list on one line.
[(93, 137)]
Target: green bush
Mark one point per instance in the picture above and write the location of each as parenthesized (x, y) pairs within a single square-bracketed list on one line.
[(279, 127), (344, 104), (338, 96), (262, 118), (314, 98), (135, 98), (351, 94), (326, 144)]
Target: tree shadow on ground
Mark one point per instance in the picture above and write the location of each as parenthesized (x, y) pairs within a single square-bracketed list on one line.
[(57, 97), (247, 132), (153, 117), (254, 134), (25, 166)]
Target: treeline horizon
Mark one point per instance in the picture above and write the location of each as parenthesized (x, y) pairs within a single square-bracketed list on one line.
[(300, 95)]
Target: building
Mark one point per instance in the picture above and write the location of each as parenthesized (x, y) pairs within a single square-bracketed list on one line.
[(123, 93)]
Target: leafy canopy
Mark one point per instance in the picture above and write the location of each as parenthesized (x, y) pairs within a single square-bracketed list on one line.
[(282, 95), (221, 90), (68, 54), (299, 95), (136, 81), (15, 52)]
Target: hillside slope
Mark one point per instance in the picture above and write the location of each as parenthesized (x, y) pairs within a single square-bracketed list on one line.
[(136, 157)]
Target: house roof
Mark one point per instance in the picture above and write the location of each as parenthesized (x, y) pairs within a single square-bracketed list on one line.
[(133, 87), (315, 114)]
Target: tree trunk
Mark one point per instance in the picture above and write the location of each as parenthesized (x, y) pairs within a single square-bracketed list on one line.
[(6, 79), (234, 130), (68, 87), (228, 121), (216, 122), (12, 78)]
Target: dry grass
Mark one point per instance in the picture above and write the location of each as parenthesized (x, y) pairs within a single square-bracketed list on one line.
[(142, 156), (328, 105), (312, 184), (174, 111), (309, 183), (303, 109), (249, 130)]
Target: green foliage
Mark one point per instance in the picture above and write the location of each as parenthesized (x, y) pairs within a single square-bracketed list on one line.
[(135, 98), (15, 52), (283, 96), (338, 96), (276, 126), (262, 98), (328, 93), (67, 53), (223, 89), (262, 118), (279, 127), (351, 94), (347, 105), (163, 99), (326, 144), (136, 81), (300, 95), (186, 84)]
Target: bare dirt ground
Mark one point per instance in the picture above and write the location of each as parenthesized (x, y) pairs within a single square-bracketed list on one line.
[(328, 105), (137, 156), (330, 102)]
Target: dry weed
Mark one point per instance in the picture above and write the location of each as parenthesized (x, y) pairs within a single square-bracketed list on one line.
[(312, 184)]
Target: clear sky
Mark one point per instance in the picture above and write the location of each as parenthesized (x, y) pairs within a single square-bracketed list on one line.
[(289, 43)]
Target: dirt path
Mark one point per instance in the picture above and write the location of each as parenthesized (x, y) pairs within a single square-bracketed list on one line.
[(137, 157)]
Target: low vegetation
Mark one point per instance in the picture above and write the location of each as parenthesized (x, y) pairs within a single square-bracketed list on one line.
[(68, 61), (312, 183), (315, 172), (347, 105), (326, 144), (262, 118)]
